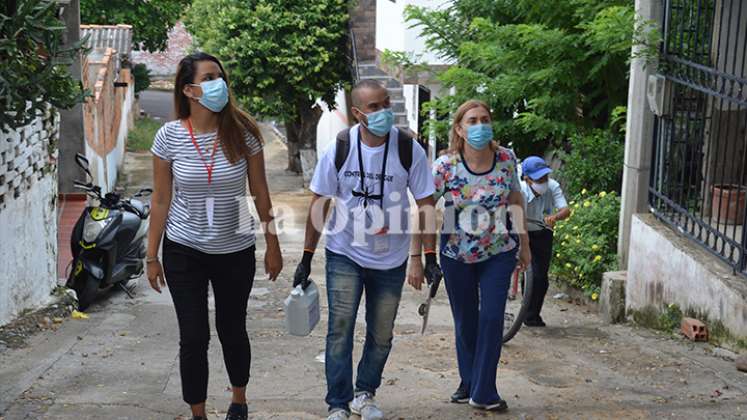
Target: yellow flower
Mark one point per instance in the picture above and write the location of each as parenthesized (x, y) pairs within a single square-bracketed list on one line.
[(557, 255), (598, 258), (583, 191), (595, 247), (581, 275), (566, 236), (576, 268), (594, 296), (602, 194), (572, 203), (568, 265), (575, 228), (563, 243), (578, 241), (575, 206), (587, 203)]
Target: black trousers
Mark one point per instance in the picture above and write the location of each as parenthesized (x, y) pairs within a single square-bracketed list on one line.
[(540, 243), (187, 274)]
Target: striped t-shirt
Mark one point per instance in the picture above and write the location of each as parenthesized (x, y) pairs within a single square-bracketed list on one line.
[(233, 227)]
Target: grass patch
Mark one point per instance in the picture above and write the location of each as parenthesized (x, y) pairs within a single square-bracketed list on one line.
[(140, 138)]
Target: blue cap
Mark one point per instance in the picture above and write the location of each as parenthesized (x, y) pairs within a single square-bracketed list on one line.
[(535, 167)]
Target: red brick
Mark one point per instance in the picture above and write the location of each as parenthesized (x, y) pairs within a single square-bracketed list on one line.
[(694, 329)]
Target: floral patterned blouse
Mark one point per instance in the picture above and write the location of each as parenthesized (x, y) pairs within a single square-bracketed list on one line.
[(475, 222)]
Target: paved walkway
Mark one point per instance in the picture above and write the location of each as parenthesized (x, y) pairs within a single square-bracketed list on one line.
[(122, 362)]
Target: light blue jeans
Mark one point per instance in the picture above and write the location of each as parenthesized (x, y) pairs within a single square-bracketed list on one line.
[(346, 282)]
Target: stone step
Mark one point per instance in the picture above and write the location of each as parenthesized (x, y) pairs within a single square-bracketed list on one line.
[(386, 80), (370, 69), (398, 107)]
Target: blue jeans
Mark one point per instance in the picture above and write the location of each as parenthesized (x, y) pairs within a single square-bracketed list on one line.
[(477, 295), (346, 282)]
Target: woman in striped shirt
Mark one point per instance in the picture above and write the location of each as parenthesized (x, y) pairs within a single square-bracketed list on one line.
[(201, 163)]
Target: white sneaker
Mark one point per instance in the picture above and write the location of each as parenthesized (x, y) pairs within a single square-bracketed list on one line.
[(365, 406), (338, 414)]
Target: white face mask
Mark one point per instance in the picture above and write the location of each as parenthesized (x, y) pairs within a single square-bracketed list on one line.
[(540, 188)]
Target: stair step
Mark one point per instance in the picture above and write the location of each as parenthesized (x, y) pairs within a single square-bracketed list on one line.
[(370, 70), (387, 81)]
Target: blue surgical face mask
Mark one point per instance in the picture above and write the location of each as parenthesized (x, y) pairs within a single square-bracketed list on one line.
[(380, 122), (214, 94), (479, 135)]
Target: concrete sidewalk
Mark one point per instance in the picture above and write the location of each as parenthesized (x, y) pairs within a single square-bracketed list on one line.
[(122, 362)]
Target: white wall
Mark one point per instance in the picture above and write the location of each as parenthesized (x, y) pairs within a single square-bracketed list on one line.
[(28, 223), (105, 170), (393, 33), (331, 123), (665, 267), (410, 92)]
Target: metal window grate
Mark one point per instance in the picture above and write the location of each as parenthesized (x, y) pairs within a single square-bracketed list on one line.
[(698, 178)]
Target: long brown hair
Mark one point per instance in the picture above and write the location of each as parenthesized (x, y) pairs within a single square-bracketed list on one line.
[(233, 122), (456, 145)]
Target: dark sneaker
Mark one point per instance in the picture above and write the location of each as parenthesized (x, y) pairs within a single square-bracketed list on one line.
[(237, 412), (461, 395), (498, 406), (535, 322)]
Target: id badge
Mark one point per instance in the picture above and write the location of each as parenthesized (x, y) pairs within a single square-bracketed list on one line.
[(381, 242), (209, 209)]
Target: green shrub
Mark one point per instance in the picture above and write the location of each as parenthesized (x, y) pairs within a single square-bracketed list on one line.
[(585, 244), (141, 74), (33, 62), (595, 162), (670, 318)]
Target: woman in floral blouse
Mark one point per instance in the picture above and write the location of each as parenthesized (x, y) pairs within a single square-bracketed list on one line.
[(479, 247)]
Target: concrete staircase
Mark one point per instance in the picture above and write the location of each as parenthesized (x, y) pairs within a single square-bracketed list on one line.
[(372, 71)]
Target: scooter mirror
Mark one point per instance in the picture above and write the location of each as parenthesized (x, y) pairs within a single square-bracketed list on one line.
[(145, 192), (83, 163)]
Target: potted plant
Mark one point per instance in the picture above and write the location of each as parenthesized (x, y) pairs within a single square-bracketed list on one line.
[(728, 203)]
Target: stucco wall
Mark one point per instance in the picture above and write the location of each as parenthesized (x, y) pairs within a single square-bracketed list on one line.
[(28, 223), (106, 116), (664, 267)]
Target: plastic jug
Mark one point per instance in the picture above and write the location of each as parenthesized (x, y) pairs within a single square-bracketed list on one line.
[(302, 310)]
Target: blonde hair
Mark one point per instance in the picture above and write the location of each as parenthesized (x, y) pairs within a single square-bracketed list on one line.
[(456, 144)]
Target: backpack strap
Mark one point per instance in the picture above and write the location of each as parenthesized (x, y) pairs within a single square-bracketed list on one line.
[(404, 144), (342, 148)]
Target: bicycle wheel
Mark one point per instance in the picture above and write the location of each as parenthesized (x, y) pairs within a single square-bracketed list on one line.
[(517, 308)]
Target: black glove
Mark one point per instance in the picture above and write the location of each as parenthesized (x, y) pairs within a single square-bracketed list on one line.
[(303, 270), (432, 270)]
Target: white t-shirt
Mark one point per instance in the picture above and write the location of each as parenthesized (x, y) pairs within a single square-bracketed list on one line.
[(373, 238)]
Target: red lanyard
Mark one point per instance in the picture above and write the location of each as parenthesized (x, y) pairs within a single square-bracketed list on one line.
[(209, 167)]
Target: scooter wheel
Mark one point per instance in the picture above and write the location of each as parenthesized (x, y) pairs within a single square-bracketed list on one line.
[(86, 287), (421, 309)]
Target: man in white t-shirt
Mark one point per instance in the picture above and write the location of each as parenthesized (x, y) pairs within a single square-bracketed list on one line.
[(368, 240)]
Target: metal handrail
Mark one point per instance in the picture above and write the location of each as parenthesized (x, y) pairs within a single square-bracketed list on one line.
[(354, 50)]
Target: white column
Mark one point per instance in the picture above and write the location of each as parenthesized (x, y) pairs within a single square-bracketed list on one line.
[(638, 138)]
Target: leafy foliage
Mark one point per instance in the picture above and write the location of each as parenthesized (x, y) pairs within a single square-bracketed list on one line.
[(142, 77), (595, 162), (150, 20), (282, 56), (33, 63), (547, 68), (585, 244)]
